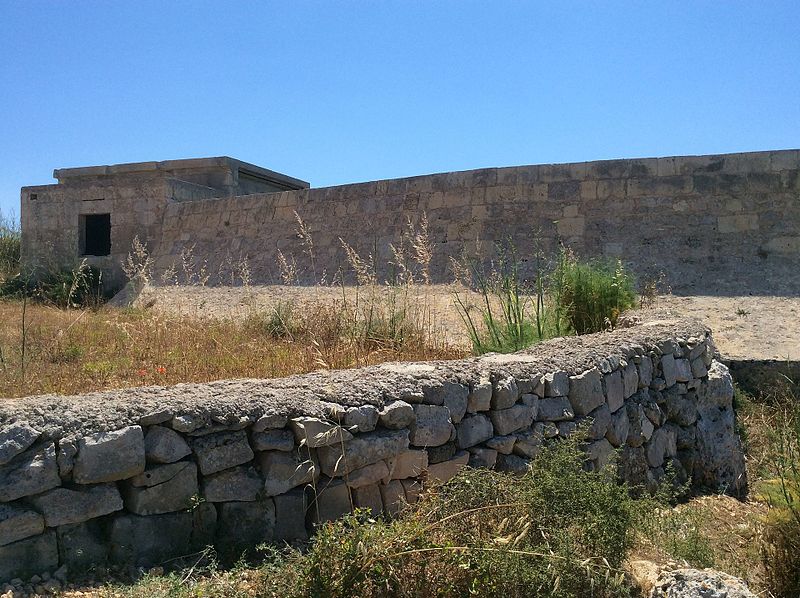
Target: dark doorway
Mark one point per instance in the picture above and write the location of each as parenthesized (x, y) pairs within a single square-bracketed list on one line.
[(96, 234)]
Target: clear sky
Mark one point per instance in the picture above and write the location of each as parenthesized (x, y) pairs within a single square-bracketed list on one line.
[(335, 92)]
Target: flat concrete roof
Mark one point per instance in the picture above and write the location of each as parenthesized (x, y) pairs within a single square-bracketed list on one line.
[(167, 166)]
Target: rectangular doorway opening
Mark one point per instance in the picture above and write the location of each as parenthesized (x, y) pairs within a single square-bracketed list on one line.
[(96, 234)]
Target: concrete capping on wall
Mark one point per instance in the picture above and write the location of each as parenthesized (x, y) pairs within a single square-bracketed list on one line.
[(143, 475)]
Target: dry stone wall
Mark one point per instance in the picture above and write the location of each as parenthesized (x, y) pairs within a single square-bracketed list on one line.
[(139, 476), (695, 218)]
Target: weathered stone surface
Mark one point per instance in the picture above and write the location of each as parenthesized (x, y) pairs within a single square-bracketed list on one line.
[(283, 471), (640, 428), (442, 472), (632, 467), (630, 380), (554, 409), (338, 460), (413, 489), (369, 497), (32, 472), (457, 404), (18, 522), (84, 545), (505, 393), (617, 433), (669, 369), (396, 415), (566, 428), (408, 464), (586, 391), (272, 440), (65, 457), (502, 444), (172, 494), (28, 557), (290, 516), (14, 439), (164, 445), (699, 369), (432, 426), (719, 458), (556, 384), (661, 445), (444, 452), (332, 501), (204, 525), (156, 417), (361, 419), (157, 474), (147, 541), (393, 496), (63, 506), (645, 370), (473, 430), (600, 420), (109, 456), (483, 457), (221, 450), (480, 396), (269, 422), (529, 443), (438, 394), (679, 408), (615, 391), (241, 526), (600, 453), (686, 437), (238, 484), (315, 432), (368, 475), (508, 421), (694, 583), (683, 370)]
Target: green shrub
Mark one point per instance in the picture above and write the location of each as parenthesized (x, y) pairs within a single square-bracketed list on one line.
[(82, 286), (592, 294), (9, 247)]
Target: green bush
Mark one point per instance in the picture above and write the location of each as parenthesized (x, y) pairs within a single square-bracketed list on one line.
[(592, 294), (82, 286), (9, 248)]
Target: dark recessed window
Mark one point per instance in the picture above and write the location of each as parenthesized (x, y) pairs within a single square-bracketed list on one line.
[(96, 234), (34, 196)]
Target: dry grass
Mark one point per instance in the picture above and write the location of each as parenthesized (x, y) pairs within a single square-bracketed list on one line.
[(76, 351)]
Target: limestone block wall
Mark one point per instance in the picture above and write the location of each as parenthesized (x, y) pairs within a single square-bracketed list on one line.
[(144, 475), (695, 218)]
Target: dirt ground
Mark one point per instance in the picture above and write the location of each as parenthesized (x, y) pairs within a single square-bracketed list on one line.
[(744, 327)]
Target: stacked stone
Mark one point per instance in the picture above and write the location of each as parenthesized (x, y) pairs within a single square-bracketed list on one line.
[(174, 483)]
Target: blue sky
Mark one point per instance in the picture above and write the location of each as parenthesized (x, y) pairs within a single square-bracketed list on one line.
[(335, 92)]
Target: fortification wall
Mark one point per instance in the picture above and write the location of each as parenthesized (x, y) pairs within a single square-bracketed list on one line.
[(698, 219), (143, 475)]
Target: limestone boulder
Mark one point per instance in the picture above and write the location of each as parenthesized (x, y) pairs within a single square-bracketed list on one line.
[(17, 522), (315, 432), (432, 426), (28, 557), (241, 526), (615, 390), (368, 475), (505, 393), (63, 506), (174, 493), (147, 541), (14, 439), (290, 516), (586, 391), (272, 440), (408, 464), (396, 415), (338, 460), (164, 445), (361, 419), (110, 456), (555, 409), (32, 472), (513, 419), (480, 396), (445, 471), (556, 384), (238, 484), (699, 583), (473, 430), (283, 471), (221, 450)]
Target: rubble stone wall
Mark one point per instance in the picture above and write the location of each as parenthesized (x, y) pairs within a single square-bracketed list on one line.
[(694, 218), (140, 476)]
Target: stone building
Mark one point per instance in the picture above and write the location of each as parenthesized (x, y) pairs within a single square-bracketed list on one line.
[(97, 211)]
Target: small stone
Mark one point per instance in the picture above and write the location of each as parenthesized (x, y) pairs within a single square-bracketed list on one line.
[(14, 439), (273, 440), (669, 369), (566, 428), (556, 384), (270, 422), (396, 415), (314, 432), (600, 420), (432, 426), (447, 391), (683, 370), (457, 404), (528, 444), (663, 444), (361, 419), (155, 417), (238, 484), (368, 475), (617, 433), (586, 391), (221, 450), (480, 396), (505, 393), (163, 445), (66, 457), (699, 369), (110, 456), (63, 506), (283, 471)]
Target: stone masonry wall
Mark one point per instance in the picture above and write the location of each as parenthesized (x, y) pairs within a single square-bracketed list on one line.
[(139, 476), (697, 219)]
